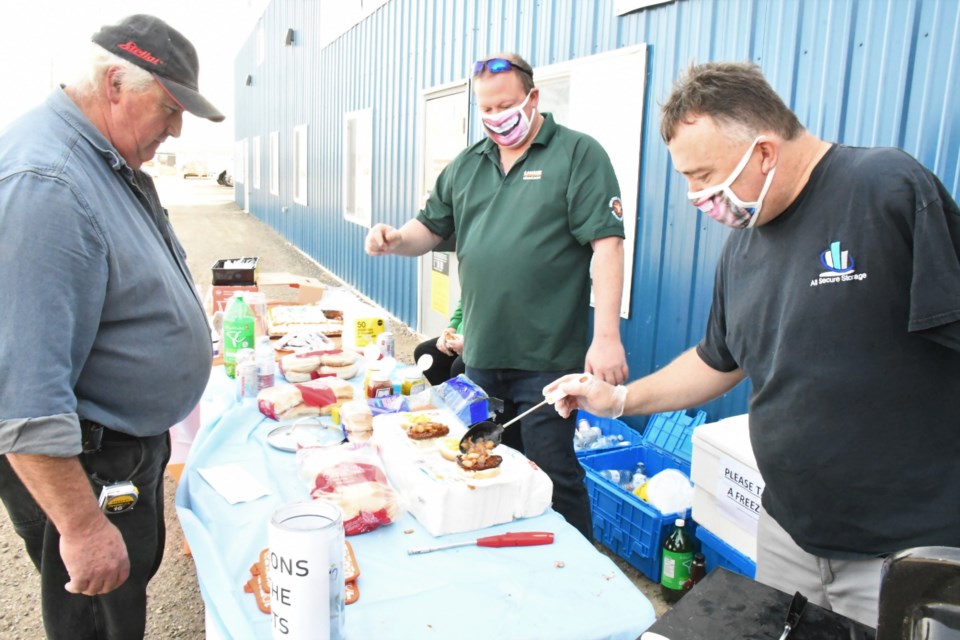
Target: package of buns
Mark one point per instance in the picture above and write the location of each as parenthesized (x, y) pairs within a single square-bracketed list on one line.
[(286, 318), (351, 476), (283, 401), (302, 366)]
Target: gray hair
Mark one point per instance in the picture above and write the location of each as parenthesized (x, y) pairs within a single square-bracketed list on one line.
[(132, 77)]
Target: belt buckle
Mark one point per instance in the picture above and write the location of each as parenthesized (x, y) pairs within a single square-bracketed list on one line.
[(91, 436)]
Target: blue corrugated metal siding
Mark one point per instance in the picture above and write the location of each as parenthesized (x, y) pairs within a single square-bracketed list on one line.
[(861, 72)]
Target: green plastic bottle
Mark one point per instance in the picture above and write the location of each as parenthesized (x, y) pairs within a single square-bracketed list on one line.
[(238, 331), (676, 563)]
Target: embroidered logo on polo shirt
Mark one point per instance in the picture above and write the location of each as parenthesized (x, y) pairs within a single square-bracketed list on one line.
[(840, 266), (616, 207), (532, 175)]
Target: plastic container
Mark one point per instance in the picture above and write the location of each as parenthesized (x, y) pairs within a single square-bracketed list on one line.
[(625, 524), (718, 553), (238, 332), (610, 428), (242, 275), (266, 363)]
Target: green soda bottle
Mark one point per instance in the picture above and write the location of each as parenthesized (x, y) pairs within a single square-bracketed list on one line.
[(677, 559), (238, 331)]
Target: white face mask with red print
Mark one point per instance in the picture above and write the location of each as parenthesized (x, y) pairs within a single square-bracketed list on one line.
[(511, 127), (722, 204)]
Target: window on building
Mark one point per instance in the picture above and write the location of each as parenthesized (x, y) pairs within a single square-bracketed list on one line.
[(255, 178), (358, 166), (300, 164), (275, 163)]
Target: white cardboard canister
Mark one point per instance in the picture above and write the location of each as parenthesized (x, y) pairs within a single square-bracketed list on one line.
[(306, 571)]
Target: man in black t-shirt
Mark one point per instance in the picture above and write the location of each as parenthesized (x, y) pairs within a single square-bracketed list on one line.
[(838, 296)]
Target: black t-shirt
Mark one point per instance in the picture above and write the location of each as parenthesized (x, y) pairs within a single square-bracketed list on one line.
[(844, 312)]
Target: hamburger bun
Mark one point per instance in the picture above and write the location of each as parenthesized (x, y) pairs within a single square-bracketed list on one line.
[(338, 358), (344, 372), (449, 448), (479, 475)]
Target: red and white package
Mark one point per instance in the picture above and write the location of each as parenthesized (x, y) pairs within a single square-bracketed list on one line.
[(351, 476)]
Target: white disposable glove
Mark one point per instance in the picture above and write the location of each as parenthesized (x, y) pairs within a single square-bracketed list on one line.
[(585, 391)]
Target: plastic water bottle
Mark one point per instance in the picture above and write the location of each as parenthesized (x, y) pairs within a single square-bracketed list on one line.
[(639, 476), (238, 328), (619, 477), (675, 568), (266, 364)]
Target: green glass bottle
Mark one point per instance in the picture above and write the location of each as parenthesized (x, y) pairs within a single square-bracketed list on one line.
[(676, 563), (238, 331)]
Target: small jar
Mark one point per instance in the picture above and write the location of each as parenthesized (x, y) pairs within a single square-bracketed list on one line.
[(379, 385), (411, 381)]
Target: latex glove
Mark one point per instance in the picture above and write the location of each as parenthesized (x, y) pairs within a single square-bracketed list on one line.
[(96, 559), (586, 391), (443, 342), (381, 240)]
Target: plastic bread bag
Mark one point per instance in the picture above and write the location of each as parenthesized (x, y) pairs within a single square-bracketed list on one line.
[(284, 401), (464, 398), (351, 476)]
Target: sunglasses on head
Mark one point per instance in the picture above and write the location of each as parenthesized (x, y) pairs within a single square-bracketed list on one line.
[(499, 65)]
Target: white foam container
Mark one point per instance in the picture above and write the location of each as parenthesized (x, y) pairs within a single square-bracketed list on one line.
[(441, 498), (727, 483)]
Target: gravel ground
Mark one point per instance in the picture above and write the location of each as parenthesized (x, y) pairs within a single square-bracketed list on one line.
[(211, 227)]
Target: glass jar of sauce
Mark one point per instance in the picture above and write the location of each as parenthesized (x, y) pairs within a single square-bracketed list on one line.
[(411, 381), (379, 385)]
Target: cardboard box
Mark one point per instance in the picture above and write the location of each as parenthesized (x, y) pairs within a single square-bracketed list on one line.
[(223, 293), (309, 290), (727, 486)]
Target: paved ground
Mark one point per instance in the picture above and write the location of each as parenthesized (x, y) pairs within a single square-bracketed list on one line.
[(211, 227)]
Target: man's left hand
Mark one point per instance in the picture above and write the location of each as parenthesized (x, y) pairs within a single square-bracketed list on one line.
[(607, 360)]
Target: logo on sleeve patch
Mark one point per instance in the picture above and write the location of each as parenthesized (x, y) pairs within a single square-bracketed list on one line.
[(839, 265), (616, 207)]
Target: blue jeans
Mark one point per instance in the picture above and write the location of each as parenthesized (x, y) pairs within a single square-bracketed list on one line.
[(544, 437), (122, 613)]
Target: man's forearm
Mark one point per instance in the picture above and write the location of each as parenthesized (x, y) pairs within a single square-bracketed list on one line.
[(61, 488), (607, 286), (415, 239), (686, 382)]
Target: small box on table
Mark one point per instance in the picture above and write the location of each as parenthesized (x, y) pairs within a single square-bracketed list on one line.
[(236, 271), (628, 526)]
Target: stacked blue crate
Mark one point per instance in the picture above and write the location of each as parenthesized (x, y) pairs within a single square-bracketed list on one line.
[(628, 526), (718, 553)]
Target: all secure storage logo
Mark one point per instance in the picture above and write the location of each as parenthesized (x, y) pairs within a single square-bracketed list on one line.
[(840, 266)]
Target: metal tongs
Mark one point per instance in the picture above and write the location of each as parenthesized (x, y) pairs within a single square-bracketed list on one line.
[(793, 614)]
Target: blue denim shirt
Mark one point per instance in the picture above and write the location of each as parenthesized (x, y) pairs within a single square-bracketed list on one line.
[(100, 318)]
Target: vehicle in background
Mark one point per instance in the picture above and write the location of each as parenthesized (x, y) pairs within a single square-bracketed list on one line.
[(194, 169)]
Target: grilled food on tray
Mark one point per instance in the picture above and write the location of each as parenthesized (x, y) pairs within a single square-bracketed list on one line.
[(478, 462), (427, 430)]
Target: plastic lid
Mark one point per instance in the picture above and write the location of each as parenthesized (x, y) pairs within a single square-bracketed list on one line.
[(679, 522), (410, 373), (672, 432), (380, 376)]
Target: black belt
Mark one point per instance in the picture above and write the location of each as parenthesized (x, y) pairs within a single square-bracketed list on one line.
[(92, 435)]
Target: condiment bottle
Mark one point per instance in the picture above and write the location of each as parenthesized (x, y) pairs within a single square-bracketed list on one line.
[(411, 381), (677, 558), (698, 570), (379, 385)]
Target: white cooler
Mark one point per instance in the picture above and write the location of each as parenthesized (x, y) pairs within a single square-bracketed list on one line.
[(726, 483)]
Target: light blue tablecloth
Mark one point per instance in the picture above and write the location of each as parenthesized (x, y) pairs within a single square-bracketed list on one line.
[(469, 592)]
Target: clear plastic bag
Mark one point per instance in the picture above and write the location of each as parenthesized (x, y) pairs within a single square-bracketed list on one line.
[(351, 476)]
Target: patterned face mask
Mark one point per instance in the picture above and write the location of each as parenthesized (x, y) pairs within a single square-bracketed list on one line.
[(722, 204), (509, 128)]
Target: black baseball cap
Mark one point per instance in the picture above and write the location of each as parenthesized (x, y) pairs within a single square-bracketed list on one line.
[(152, 44)]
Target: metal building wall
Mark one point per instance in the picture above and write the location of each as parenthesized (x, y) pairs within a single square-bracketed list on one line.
[(860, 72)]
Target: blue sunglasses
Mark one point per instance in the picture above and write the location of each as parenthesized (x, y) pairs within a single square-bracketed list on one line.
[(499, 65)]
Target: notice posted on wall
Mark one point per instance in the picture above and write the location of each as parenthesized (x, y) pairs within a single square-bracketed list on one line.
[(739, 489)]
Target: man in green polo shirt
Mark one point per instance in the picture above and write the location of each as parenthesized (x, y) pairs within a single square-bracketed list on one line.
[(531, 205)]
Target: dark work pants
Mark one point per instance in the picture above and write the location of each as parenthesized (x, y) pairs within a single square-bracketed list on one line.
[(444, 366), (120, 614), (547, 439)]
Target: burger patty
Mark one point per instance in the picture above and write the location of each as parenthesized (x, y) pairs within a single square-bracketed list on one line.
[(480, 463), (427, 430)]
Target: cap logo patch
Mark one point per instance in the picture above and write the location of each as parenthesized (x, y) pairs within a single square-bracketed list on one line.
[(131, 47)]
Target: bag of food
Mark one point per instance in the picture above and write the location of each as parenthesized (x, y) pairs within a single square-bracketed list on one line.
[(351, 476)]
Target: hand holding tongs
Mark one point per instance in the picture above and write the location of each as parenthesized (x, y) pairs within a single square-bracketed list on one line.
[(793, 614)]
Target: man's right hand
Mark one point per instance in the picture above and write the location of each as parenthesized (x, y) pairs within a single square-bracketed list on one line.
[(586, 391), (96, 558), (381, 240)]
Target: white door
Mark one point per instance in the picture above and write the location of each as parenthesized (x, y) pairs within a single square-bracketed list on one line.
[(445, 135)]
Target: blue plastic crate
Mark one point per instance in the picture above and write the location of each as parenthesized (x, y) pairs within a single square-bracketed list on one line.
[(609, 427), (622, 522), (718, 553)]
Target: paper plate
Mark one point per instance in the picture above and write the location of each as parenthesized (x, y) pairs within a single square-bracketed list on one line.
[(309, 432)]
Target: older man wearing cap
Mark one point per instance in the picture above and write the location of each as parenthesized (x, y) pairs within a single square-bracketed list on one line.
[(104, 342)]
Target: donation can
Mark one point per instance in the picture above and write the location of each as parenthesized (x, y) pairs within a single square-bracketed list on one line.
[(385, 343), (306, 571)]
